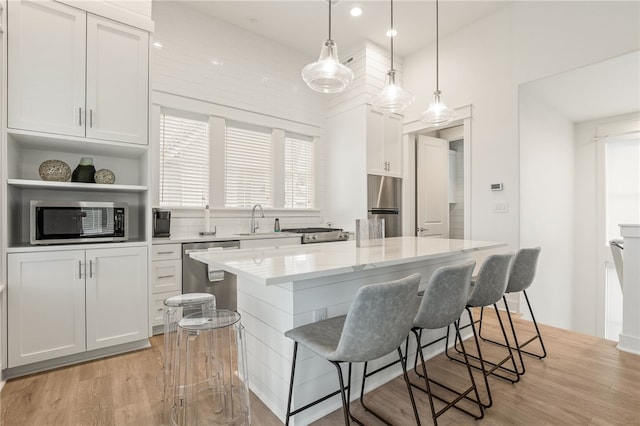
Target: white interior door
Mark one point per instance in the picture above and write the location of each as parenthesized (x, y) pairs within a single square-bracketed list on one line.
[(432, 187), (618, 203)]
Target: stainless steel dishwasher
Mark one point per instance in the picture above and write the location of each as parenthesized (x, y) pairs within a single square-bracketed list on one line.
[(198, 278)]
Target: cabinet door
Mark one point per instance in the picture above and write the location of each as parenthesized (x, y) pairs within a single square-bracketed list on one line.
[(117, 303), (46, 67), (393, 145), (46, 306), (117, 81), (375, 143)]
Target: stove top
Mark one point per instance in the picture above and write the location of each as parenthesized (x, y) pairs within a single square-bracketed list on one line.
[(309, 230), (319, 235)]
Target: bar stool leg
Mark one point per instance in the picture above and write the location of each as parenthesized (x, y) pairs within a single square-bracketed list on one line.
[(293, 370)]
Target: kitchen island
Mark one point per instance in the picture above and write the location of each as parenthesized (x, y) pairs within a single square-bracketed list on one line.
[(280, 288)]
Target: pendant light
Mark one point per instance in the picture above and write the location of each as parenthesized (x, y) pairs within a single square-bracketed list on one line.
[(437, 113), (327, 75), (392, 98)]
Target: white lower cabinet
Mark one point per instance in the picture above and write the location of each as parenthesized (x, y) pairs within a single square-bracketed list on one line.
[(166, 279), (66, 302), (116, 296)]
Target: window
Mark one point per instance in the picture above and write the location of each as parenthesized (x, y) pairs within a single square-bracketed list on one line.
[(298, 172), (248, 166), (184, 161)]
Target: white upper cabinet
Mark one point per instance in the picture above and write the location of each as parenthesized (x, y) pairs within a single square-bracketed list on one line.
[(46, 66), (51, 49), (117, 81), (384, 153)]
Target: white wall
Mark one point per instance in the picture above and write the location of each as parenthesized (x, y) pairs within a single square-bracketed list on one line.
[(547, 206), (253, 77), (484, 64)]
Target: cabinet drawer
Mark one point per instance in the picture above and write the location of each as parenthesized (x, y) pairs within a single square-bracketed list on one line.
[(166, 275), (156, 307), (166, 252)]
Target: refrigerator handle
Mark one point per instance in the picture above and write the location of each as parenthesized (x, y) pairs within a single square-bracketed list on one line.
[(384, 210)]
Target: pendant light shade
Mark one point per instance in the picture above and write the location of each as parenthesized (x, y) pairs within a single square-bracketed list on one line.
[(438, 113), (392, 98), (327, 74)]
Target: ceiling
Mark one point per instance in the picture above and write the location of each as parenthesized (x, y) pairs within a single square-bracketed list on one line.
[(303, 24), (604, 89)]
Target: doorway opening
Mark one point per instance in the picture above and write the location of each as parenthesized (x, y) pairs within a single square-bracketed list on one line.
[(452, 192), (440, 183)]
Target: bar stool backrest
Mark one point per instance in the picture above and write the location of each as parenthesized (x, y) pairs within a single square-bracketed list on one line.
[(379, 320), (523, 269), (492, 279), (445, 296)]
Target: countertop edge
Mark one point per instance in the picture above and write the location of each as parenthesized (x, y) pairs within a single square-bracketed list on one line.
[(205, 258)]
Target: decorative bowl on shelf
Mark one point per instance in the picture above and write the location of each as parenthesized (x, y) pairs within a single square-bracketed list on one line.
[(104, 176), (55, 171)]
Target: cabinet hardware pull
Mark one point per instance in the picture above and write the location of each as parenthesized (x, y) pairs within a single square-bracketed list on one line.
[(166, 252), (90, 118), (79, 269), (160, 309), (91, 269), (166, 276), (80, 116)]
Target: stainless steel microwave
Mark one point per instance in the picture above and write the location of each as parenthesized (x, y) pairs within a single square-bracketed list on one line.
[(66, 222)]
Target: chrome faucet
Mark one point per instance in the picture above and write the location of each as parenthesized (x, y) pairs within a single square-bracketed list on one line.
[(254, 224)]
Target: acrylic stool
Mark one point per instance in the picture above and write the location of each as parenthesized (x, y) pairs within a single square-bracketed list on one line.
[(211, 375), (174, 309)]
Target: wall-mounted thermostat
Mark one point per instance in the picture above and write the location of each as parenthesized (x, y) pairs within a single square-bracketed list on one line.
[(496, 186)]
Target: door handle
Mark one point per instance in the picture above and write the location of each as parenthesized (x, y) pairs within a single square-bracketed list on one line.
[(80, 269), (90, 268), (90, 118), (421, 229), (80, 116)]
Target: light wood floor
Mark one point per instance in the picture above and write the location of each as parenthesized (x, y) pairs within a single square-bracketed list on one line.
[(583, 381)]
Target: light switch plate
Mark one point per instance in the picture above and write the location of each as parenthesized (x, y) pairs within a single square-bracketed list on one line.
[(501, 207)]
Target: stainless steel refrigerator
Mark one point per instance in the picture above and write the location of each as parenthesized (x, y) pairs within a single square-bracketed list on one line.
[(384, 196)]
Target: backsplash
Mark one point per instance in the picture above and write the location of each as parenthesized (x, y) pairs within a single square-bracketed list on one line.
[(182, 226)]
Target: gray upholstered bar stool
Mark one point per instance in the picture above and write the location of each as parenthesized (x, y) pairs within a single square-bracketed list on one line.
[(487, 290), (443, 301), (175, 308), (378, 321), (523, 271)]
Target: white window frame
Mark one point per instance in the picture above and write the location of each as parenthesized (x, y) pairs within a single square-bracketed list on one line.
[(217, 115)]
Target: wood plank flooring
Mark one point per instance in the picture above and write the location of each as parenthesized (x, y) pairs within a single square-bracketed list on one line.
[(583, 381)]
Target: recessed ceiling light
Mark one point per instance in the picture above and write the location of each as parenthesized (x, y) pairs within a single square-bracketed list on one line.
[(356, 11), (157, 45), (392, 33)]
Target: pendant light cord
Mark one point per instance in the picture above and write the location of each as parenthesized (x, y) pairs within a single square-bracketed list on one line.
[(392, 36), (329, 19), (437, 52)]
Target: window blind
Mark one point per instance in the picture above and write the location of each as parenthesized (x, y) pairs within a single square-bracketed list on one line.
[(248, 166), (298, 172), (184, 161)]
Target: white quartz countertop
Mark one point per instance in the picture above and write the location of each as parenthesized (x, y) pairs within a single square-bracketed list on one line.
[(275, 265)]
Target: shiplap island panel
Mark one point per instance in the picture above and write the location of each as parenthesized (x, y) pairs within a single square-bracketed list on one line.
[(280, 288)]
